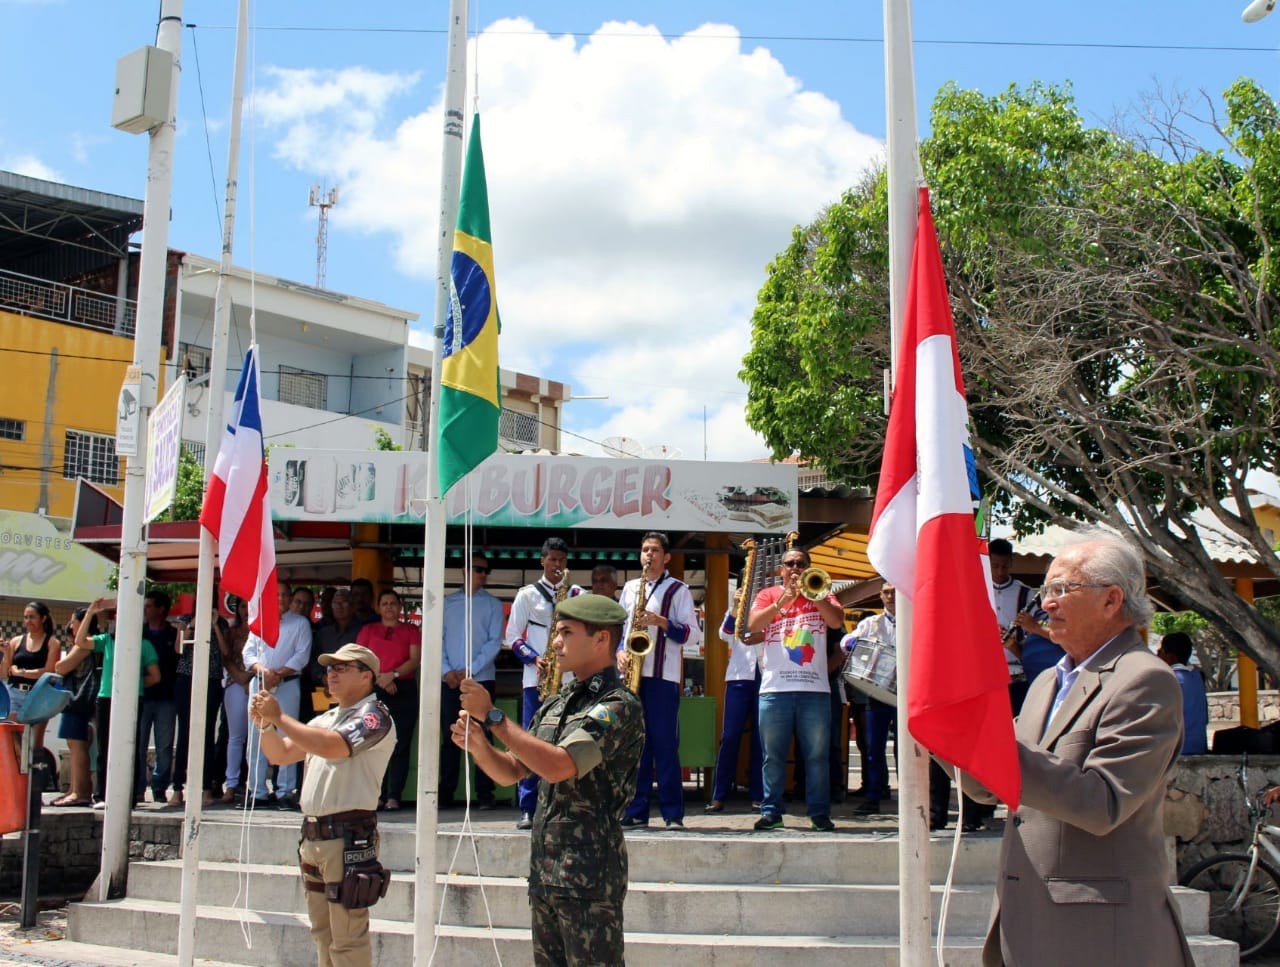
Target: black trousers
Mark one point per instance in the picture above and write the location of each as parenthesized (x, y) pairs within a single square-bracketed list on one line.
[(403, 706), (450, 754)]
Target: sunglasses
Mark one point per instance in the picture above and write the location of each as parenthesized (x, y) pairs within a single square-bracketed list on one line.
[(480, 570), (793, 563)]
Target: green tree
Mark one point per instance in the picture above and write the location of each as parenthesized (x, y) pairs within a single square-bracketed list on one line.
[(1115, 299), (189, 497)]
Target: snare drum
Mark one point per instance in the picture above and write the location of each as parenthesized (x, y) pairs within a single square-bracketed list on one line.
[(872, 668)]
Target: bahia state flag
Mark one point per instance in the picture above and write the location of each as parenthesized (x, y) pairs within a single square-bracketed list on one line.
[(468, 424), (924, 542)]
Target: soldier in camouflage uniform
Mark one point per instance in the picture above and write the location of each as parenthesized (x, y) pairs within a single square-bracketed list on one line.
[(584, 744)]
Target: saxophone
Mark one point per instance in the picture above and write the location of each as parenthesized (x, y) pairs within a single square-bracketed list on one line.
[(550, 679), (640, 641)]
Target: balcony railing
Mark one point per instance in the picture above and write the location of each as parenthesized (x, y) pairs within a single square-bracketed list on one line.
[(67, 303)]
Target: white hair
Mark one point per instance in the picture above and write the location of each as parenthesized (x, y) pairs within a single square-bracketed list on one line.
[(1114, 560)]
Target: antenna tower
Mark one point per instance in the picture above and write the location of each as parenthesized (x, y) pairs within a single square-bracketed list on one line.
[(324, 200)]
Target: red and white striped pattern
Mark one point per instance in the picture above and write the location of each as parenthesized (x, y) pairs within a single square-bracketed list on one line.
[(923, 540), (237, 508)]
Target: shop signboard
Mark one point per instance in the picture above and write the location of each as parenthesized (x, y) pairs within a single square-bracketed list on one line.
[(538, 490)]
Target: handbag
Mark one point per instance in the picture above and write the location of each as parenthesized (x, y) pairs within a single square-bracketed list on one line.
[(84, 691)]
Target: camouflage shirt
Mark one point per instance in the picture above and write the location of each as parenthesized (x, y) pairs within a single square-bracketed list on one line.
[(577, 846)]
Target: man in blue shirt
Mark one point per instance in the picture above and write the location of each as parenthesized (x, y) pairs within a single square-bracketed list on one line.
[(486, 640), (1175, 649)]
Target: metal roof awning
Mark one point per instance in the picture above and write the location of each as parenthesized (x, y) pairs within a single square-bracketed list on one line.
[(59, 231)]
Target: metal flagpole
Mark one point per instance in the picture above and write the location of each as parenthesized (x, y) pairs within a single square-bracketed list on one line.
[(903, 168), (429, 724), (204, 587), (114, 871)]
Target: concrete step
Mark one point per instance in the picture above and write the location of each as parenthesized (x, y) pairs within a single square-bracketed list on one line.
[(283, 940), (761, 909), (785, 856)]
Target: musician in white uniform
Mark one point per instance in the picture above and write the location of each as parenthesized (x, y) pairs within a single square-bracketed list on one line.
[(666, 609), (527, 630)]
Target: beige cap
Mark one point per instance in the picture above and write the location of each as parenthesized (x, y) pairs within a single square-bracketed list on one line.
[(353, 653)]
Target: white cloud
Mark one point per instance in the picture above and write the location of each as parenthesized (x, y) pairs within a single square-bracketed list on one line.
[(31, 166), (638, 187)]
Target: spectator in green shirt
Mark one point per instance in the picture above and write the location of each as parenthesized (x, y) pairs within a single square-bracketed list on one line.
[(104, 644)]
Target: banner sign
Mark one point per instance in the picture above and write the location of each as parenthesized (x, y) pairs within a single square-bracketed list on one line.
[(164, 438), (537, 490), (40, 563)]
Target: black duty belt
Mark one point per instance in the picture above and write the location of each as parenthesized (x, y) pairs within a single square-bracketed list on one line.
[(337, 825)]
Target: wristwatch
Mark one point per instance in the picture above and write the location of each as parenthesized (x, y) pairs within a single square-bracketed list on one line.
[(494, 717)]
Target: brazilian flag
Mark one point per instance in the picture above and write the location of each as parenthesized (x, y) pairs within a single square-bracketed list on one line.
[(468, 425)]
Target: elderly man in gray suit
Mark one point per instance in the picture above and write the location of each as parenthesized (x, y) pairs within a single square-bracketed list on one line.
[(1083, 872)]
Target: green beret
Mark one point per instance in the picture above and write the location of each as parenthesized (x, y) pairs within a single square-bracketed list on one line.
[(592, 609)]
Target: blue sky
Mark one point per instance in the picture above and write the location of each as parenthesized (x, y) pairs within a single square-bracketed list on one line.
[(646, 159)]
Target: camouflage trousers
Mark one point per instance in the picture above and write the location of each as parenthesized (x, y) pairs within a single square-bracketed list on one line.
[(576, 932)]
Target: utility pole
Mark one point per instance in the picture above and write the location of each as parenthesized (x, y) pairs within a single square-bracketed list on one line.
[(153, 263), (324, 200)]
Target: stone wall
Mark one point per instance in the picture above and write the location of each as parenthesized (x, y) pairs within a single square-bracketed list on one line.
[(71, 847), (1224, 707), (1205, 808)]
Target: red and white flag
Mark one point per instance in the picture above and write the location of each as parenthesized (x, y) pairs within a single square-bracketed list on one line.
[(923, 541), (237, 508)]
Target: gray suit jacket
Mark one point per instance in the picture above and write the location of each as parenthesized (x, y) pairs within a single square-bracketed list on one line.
[(1083, 871)]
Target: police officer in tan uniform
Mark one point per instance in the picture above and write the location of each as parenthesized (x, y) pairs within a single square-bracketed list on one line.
[(346, 749), (584, 744)]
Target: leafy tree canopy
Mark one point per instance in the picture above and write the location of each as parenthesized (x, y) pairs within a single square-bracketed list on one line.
[(1114, 294)]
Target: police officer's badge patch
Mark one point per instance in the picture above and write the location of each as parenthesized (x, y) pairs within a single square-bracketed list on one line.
[(602, 715)]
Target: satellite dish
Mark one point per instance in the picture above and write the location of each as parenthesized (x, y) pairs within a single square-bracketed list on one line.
[(662, 452), (622, 446)]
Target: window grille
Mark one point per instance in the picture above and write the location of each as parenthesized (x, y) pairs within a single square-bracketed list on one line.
[(13, 429), (303, 388), (92, 456), (519, 428), (194, 359)]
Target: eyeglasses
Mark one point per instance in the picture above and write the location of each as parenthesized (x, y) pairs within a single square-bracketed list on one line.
[(345, 666), (480, 570), (1058, 589), (793, 563)]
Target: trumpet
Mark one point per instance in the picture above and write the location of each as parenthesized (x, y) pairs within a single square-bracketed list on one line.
[(815, 583)]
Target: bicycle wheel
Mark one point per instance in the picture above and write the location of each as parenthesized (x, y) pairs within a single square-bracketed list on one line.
[(1247, 913)]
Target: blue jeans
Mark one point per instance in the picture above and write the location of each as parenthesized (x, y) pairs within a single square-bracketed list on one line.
[(289, 695), (741, 706), (161, 716), (807, 717)]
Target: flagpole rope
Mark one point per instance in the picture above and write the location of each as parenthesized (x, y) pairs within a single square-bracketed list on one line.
[(945, 907), (467, 832)]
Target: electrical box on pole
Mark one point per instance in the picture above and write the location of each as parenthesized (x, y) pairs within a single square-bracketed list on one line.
[(144, 80)]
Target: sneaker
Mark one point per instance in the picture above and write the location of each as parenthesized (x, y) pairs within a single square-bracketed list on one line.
[(525, 822), (821, 824), (768, 822), (634, 822), (100, 804), (487, 804), (715, 806), (675, 824), (869, 808)]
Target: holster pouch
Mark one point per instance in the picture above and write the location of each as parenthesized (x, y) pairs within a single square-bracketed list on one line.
[(364, 879)]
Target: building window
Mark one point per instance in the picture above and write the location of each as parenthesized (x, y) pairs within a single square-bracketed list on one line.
[(92, 456), (13, 429), (193, 360), (519, 428), (302, 388)]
